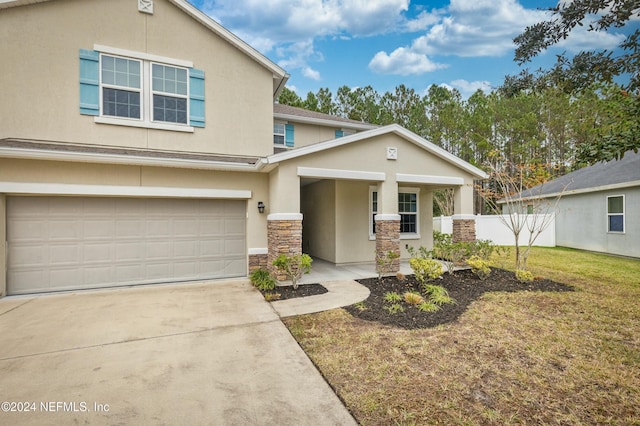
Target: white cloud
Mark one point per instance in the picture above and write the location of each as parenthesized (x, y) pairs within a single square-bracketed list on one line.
[(403, 61), (311, 73), (468, 88)]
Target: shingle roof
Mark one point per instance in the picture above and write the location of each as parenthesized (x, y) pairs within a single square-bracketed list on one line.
[(301, 112), (599, 175)]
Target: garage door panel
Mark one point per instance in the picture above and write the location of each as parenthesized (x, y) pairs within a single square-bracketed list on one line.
[(59, 243)]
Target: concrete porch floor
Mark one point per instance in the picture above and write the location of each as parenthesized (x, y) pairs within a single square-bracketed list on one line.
[(323, 271)]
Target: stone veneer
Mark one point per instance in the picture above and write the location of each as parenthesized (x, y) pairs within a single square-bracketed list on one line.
[(463, 230), (284, 237), (387, 240), (258, 261)]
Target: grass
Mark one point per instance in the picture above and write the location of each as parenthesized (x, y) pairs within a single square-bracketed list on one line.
[(512, 358)]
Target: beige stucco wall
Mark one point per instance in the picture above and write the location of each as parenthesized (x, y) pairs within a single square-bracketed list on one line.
[(32, 171), (3, 246), (307, 134), (39, 76), (351, 197), (318, 205)]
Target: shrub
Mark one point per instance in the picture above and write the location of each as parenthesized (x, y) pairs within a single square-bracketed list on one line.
[(437, 294), (293, 266), (392, 296), (395, 308), (425, 269), (262, 279), (428, 307), (400, 276), (413, 298), (524, 276), (479, 266)]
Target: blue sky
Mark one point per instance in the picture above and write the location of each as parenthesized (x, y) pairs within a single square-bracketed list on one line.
[(464, 44)]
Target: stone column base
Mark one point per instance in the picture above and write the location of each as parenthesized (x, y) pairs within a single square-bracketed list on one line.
[(387, 242), (464, 229), (259, 259), (284, 236)]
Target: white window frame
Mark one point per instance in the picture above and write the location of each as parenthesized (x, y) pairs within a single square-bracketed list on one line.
[(284, 134), (401, 190), (166, 94), (146, 97), (623, 214)]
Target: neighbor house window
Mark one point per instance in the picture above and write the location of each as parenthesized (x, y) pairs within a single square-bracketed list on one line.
[(615, 213), (141, 90), (278, 134), (408, 202)]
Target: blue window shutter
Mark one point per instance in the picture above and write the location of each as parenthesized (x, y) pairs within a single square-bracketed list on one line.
[(339, 134), (89, 82), (196, 97), (288, 132)]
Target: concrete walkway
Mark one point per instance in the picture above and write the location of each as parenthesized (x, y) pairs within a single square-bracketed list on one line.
[(194, 354), (340, 282)]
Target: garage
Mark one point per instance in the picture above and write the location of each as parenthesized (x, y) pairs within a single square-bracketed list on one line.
[(57, 243)]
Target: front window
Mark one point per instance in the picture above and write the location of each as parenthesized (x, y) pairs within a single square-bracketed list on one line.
[(121, 87), (615, 213), (278, 134), (169, 94), (407, 209), (128, 93)]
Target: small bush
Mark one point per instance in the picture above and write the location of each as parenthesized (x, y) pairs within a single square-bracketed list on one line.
[(413, 298), (392, 297), (361, 306), (262, 280), (293, 266), (428, 307), (437, 294), (425, 269), (524, 276), (271, 296), (479, 266), (395, 308), (400, 276)]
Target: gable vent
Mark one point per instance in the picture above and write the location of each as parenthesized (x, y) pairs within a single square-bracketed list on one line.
[(145, 6)]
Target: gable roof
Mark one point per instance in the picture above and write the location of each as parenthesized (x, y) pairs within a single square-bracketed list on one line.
[(280, 76), (598, 177), (379, 131), (301, 115)]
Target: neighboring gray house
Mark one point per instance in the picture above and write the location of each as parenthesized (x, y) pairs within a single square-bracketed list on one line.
[(600, 206)]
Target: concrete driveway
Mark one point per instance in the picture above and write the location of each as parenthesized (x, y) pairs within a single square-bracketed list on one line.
[(188, 354)]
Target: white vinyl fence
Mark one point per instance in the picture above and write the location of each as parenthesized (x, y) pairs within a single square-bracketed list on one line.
[(490, 227)]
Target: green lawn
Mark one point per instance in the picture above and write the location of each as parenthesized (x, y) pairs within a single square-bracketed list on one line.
[(512, 358)]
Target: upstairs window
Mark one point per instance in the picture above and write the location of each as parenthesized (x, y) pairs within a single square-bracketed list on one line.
[(278, 134), (141, 90), (615, 213)]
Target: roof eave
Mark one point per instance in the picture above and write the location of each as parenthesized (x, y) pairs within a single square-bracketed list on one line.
[(323, 122)]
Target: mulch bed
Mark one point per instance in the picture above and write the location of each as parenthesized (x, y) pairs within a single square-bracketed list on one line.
[(303, 290), (463, 286)]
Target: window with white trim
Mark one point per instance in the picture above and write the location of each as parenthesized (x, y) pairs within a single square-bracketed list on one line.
[(408, 209), (615, 213), (142, 90), (278, 134)]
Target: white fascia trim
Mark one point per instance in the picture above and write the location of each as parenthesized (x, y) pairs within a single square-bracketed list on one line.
[(143, 124), (85, 157), (387, 217), (313, 172), (121, 191), (258, 251), (323, 122), (140, 55), (427, 179), (285, 216), (233, 39), (577, 191)]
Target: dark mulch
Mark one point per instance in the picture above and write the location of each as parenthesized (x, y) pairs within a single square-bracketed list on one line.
[(463, 286), (287, 291)]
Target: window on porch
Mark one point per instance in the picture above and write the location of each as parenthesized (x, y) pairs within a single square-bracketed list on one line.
[(408, 209)]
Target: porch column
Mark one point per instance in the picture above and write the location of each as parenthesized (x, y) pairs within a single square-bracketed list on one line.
[(387, 228), (464, 222), (284, 236)]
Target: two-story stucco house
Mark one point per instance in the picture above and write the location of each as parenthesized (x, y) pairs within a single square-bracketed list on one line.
[(140, 143)]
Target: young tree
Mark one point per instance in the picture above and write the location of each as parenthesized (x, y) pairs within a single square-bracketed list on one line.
[(289, 97), (514, 193)]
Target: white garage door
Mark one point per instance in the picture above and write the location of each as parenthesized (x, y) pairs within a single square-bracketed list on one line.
[(64, 243)]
